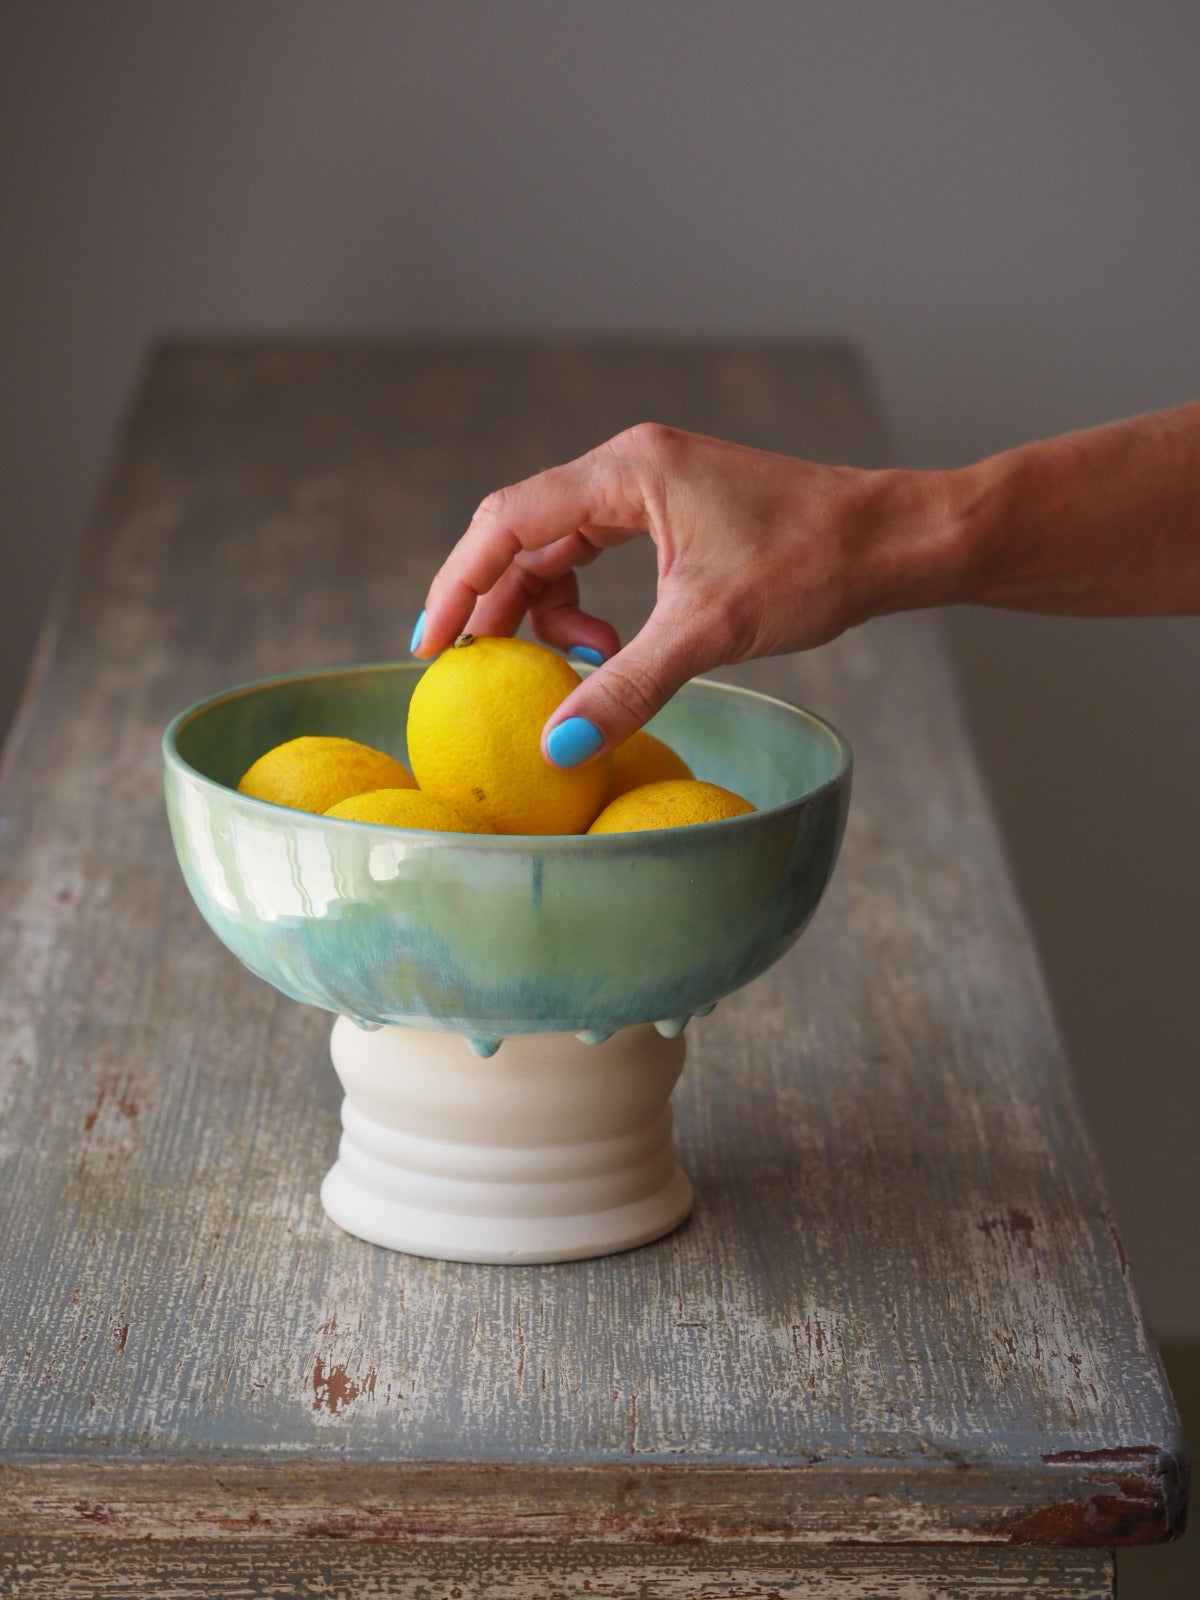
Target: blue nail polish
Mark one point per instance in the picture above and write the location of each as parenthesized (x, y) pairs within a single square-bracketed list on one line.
[(584, 652), (415, 643), (573, 741)]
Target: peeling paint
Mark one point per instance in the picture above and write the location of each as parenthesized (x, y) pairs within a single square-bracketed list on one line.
[(101, 1515), (334, 1389)]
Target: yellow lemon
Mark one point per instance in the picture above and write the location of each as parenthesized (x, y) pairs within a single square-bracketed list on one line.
[(474, 726), (675, 803), (403, 808), (315, 772), (644, 759)]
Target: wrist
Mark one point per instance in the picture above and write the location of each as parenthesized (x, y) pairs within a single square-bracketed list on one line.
[(1013, 509), (926, 534), (977, 505)]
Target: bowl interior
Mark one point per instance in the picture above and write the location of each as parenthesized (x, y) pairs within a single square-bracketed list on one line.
[(769, 752)]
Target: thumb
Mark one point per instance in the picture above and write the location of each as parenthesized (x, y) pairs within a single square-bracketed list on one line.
[(616, 699)]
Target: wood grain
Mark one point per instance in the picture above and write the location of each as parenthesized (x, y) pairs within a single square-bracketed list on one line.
[(901, 1311), (38, 1569)]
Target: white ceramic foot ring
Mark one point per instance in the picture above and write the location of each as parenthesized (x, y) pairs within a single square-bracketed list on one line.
[(550, 1150)]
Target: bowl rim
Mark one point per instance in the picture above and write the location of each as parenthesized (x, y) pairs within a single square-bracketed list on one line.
[(491, 841)]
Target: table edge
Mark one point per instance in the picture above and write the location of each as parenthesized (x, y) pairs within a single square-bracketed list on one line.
[(1100, 1498)]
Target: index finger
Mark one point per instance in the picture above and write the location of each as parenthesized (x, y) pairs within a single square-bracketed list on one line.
[(591, 491)]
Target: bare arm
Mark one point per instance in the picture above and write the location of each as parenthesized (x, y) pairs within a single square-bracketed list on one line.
[(759, 554), (1100, 523)]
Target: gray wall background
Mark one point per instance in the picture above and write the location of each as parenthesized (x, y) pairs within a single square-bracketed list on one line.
[(999, 202)]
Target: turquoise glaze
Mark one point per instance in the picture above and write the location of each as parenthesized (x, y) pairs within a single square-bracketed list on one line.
[(493, 935)]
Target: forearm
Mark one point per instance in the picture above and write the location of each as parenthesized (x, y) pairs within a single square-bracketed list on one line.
[(1100, 523), (760, 554)]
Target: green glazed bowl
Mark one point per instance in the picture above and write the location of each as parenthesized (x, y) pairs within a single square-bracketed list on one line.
[(490, 935)]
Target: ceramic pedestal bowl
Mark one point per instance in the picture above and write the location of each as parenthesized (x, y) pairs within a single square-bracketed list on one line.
[(510, 1009)]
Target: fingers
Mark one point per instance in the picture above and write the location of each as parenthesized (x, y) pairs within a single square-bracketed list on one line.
[(553, 609), (502, 609), (616, 699), (558, 620), (550, 510), (531, 575)]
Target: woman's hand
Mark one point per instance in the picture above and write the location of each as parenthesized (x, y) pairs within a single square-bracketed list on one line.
[(757, 554), (760, 554)]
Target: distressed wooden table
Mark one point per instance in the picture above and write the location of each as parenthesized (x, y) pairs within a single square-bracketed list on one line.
[(895, 1352)]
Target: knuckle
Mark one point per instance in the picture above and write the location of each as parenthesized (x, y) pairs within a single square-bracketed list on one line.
[(495, 523), (493, 507), (648, 438), (643, 459)]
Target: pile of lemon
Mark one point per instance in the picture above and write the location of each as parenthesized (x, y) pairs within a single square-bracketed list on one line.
[(474, 730)]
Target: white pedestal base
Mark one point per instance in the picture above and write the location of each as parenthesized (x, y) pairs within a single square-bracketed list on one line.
[(550, 1150)]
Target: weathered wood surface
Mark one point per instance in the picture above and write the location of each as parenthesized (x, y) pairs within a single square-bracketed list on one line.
[(44, 1569), (901, 1311)]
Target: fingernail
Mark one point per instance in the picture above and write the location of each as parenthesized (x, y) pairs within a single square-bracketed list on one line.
[(573, 741), (584, 652), (415, 643)]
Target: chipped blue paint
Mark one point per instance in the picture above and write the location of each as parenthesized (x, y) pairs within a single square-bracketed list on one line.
[(491, 935)]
